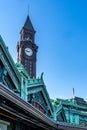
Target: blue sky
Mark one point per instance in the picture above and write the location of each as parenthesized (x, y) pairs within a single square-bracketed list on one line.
[(61, 34)]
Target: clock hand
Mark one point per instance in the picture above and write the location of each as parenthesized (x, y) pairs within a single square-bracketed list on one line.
[(27, 51)]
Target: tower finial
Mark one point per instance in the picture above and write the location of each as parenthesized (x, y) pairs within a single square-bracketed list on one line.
[(28, 9)]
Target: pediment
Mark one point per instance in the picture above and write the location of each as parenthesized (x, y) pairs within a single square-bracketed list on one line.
[(39, 94), (60, 114), (8, 72)]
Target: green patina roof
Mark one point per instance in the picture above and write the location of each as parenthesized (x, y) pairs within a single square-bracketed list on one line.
[(21, 69), (10, 62), (38, 84), (9, 56), (74, 109), (77, 102)]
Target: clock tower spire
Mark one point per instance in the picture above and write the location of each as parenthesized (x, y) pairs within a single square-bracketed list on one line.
[(27, 49)]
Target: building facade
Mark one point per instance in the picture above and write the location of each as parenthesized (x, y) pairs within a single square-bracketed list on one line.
[(24, 101), (18, 110), (71, 111)]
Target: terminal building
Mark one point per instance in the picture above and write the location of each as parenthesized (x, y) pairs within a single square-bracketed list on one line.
[(24, 100)]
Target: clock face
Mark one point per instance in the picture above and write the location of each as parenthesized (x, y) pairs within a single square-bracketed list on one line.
[(28, 51)]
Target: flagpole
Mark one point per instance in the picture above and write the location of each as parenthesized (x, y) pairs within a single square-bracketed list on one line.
[(73, 95)]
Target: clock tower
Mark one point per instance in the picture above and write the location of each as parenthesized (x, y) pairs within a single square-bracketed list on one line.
[(27, 49)]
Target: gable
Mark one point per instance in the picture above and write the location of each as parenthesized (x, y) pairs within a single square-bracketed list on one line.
[(60, 114), (38, 101), (60, 117), (11, 78), (38, 94)]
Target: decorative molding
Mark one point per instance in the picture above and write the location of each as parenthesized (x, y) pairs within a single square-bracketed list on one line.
[(8, 68)]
